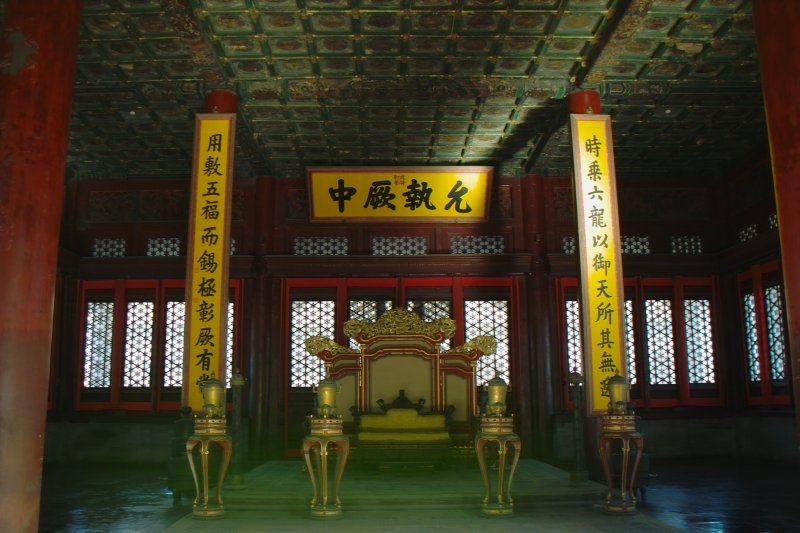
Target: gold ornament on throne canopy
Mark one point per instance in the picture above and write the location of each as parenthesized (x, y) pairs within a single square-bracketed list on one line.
[(400, 322), (485, 344), (317, 345)]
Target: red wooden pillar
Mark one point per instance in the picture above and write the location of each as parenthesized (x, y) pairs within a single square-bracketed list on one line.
[(540, 366), (37, 63), (776, 31)]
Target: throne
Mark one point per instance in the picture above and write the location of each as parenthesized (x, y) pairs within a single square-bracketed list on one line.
[(410, 400)]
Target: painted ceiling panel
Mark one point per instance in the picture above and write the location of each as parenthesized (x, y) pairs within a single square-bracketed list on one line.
[(413, 81)]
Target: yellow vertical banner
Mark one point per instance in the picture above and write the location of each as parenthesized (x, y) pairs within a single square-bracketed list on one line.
[(602, 289), (208, 254)]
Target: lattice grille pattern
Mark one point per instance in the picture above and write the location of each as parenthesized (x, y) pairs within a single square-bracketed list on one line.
[(429, 310), (366, 310), (751, 336), (568, 245), (630, 342), (138, 344), (574, 346), (164, 247), (399, 246), (320, 245), (173, 344), (489, 317), (98, 346), (699, 343), (309, 317), (229, 346), (109, 248), (471, 244), (687, 244), (635, 244), (773, 221), (775, 333), (747, 233), (660, 345)]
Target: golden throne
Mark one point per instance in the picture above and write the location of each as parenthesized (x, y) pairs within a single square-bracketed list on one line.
[(407, 393)]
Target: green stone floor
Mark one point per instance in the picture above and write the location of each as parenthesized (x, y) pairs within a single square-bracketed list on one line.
[(276, 498), (704, 494)]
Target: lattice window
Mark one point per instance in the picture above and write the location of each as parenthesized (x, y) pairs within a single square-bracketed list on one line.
[(699, 344), (173, 344), (229, 346), (164, 247), (773, 221), (368, 310), (747, 233), (399, 246), (429, 310), (99, 344), (308, 317), (660, 341), (573, 329), (630, 342), (138, 344), (687, 244), (320, 245), (109, 248), (773, 309), (470, 244), (635, 244), (490, 317), (751, 336), (568, 245)]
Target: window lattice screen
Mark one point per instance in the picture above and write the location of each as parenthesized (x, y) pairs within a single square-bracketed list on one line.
[(308, 317), (471, 244), (173, 344), (138, 344), (164, 247), (489, 317), (630, 342), (399, 246), (573, 329), (229, 346), (368, 310), (751, 336), (660, 345), (775, 334), (97, 350), (699, 345), (429, 310)]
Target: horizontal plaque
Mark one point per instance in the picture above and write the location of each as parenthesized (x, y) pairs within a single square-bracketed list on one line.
[(416, 194)]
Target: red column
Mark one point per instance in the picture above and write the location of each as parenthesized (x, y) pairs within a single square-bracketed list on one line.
[(540, 367), (585, 102), (776, 30), (37, 63)]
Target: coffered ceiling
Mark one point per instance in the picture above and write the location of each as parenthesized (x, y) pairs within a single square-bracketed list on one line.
[(415, 82)]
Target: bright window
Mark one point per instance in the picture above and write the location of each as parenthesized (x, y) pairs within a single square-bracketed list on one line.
[(308, 318), (490, 317), (764, 335), (669, 340), (660, 341), (133, 344)]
